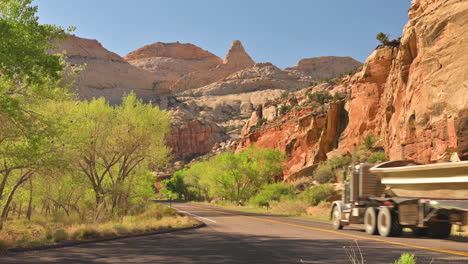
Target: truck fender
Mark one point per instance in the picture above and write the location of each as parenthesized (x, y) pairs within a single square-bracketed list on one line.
[(341, 205)]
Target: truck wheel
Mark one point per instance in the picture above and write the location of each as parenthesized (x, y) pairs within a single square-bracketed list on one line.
[(388, 223), (439, 230), (336, 218), (370, 220)]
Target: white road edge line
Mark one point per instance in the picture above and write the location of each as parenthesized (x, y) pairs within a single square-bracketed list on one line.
[(197, 216)]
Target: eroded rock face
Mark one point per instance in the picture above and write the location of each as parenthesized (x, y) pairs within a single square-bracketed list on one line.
[(325, 67), (169, 62), (106, 73), (261, 76), (425, 92), (236, 59), (304, 136)]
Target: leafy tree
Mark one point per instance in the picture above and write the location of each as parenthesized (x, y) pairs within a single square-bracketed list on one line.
[(383, 38), (228, 176), (115, 144), (29, 77)]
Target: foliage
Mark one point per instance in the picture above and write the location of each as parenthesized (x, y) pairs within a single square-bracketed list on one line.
[(271, 192), (175, 187), (369, 141), (233, 177), (406, 258), (29, 79), (317, 194), (285, 94), (284, 109), (115, 146), (321, 97), (261, 122), (324, 173), (382, 37), (377, 157), (339, 96)]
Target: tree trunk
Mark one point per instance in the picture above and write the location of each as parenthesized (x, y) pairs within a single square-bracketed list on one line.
[(29, 213)]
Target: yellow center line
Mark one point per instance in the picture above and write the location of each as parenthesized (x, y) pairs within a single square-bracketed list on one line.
[(459, 253)]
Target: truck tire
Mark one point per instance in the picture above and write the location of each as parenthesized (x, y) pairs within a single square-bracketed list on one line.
[(388, 223), (439, 230), (370, 220), (336, 218)]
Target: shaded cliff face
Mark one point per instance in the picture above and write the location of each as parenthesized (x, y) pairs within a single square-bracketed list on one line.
[(417, 101), (325, 67), (106, 73)]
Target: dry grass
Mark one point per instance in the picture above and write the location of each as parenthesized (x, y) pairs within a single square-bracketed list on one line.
[(23, 233), (294, 208)]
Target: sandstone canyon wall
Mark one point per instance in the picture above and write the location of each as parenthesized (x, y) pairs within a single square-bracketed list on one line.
[(208, 98), (413, 96), (106, 73)]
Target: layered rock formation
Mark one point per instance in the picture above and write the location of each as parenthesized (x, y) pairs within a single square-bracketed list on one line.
[(169, 62), (261, 76), (325, 67), (106, 73), (304, 134), (236, 59), (413, 96), (417, 93), (208, 99)]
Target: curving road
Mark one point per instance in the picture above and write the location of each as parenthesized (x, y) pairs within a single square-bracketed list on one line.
[(238, 237)]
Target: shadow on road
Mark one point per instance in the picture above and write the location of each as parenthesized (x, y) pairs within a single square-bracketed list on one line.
[(208, 246)]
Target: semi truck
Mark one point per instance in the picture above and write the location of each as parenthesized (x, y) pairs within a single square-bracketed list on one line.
[(386, 198)]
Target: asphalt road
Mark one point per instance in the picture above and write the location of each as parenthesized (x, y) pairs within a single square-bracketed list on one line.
[(237, 237)]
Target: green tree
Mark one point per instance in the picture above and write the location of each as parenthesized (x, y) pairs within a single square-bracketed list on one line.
[(233, 177), (29, 77), (383, 38), (114, 145)]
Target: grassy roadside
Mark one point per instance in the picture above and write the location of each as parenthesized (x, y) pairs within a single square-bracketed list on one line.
[(42, 231), (317, 213)]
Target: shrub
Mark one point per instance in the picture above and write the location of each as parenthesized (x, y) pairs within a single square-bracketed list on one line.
[(339, 162), (406, 259), (318, 194), (377, 157), (339, 96), (382, 37), (284, 95), (321, 97), (272, 192), (290, 207), (60, 235), (261, 122), (324, 173), (369, 141), (284, 109)]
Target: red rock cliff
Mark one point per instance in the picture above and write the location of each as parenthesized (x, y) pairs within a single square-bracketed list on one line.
[(415, 96)]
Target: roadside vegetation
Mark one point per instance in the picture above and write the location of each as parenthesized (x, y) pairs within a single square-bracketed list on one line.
[(249, 180), (68, 165)]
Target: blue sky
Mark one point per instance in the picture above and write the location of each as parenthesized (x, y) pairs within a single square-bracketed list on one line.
[(277, 31)]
